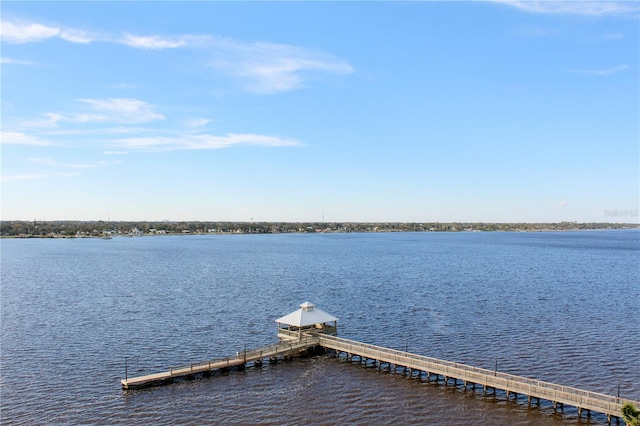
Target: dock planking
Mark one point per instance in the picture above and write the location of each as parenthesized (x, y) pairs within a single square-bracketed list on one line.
[(273, 352), (511, 384), (299, 337)]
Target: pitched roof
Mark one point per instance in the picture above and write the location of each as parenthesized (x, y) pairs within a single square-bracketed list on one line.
[(308, 314)]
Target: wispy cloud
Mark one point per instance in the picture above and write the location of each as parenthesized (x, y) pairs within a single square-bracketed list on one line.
[(274, 68), (12, 61), (204, 141), (109, 111), (617, 35), (196, 122), (18, 32), (84, 131), (23, 176), (14, 32), (599, 72), (262, 67), (122, 86), (124, 110), (53, 163), (152, 42), (18, 138), (77, 36), (584, 8)]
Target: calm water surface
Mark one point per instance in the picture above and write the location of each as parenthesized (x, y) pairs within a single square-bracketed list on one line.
[(560, 307)]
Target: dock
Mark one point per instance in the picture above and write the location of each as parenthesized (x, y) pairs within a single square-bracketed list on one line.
[(271, 353), (310, 331), (423, 367)]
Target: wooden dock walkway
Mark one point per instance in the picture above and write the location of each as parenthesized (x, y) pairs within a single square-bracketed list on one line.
[(490, 379), (256, 356), (431, 368)]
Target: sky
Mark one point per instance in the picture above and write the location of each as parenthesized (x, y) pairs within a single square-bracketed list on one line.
[(485, 111)]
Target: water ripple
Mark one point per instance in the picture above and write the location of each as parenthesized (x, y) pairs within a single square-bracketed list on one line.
[(558, 307)]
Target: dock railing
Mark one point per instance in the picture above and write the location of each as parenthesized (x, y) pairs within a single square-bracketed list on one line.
[(582, 399), (249, 355), (241, 358), (294, 342)]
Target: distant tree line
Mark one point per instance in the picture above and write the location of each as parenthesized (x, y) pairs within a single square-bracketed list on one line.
[(58, 229)]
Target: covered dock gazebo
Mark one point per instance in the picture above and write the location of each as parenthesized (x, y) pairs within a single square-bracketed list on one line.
[(307, 319)]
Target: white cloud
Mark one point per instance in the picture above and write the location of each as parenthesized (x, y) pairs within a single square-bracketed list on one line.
[(562, 203), (198, 142), (12, 61), (97, 131), (152, 42), (17, 138), (584, 8), (20, 33), (53, 163), (11, 32), (618, 35), (122, 86), (24, 176), (43, 161), (274, 68), (76, 36), (124, 110), (263, 67), (120, 112), (196, 122), (598, 72)]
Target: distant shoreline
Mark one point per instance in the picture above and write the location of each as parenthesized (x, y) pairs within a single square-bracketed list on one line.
[(106, 230)]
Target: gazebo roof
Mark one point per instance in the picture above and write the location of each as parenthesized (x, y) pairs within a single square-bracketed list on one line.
[(308, 314)]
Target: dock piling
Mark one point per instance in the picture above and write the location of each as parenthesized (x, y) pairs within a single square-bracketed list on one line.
[(393, 359)]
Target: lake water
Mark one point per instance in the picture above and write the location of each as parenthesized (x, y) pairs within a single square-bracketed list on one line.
[(560, 307)]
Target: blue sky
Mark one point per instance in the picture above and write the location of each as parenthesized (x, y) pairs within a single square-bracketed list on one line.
[(500, 111)]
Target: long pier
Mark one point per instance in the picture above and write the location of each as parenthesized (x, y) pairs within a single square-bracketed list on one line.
[(295, 344), (491, 380)]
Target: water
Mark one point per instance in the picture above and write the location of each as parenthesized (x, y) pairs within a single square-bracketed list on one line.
[(560, 307)]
